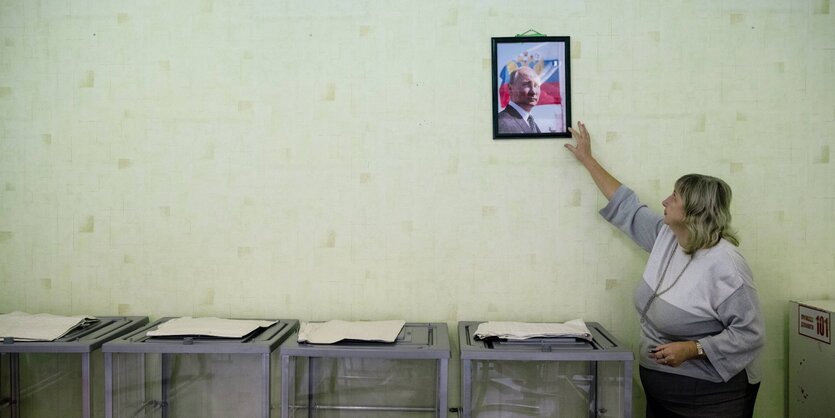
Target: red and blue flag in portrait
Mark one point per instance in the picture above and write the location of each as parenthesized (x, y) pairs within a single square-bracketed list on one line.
[(549, 74)]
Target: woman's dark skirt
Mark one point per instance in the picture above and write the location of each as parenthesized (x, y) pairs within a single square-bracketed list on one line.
[(672, 396)]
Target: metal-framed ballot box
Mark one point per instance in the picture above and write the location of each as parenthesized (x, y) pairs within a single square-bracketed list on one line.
[(193, 376), (56, 378), (545, 377), (406, 378)]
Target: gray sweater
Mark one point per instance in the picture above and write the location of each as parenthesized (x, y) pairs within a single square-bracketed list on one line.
[(712, 300)]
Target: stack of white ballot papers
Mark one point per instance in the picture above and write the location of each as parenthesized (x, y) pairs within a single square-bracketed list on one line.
[(334, 331), (22, 326), (525, 330), (210, 327)]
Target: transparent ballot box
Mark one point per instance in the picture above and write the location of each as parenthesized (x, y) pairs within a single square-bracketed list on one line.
[(545, 377), (193, 376), (352, 379), (62, 377)]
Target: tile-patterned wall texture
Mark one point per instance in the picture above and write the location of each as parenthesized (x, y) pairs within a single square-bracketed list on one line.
[(323, 159)]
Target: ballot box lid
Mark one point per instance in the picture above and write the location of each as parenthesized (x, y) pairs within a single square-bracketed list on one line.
[(81, 339), (603, 346), (415, 341), (261, 341)]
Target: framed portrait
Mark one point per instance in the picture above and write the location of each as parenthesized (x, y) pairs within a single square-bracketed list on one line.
[(531, 87)]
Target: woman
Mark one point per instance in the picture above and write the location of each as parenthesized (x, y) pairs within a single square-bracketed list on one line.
[(701, 327)]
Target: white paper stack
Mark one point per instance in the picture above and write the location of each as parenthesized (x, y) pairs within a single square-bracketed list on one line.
[(208, 326), (334, 331), (525, 330), (23, 326)]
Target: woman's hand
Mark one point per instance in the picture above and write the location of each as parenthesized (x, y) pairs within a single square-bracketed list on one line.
[(607, 184), (582, 147), (673, 354)]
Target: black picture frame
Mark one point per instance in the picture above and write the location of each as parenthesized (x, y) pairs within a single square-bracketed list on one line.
[(549, 59)]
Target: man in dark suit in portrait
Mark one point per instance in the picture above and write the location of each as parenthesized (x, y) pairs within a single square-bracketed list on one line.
[(524, 94)]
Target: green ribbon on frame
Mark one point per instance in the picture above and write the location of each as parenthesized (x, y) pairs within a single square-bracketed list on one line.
[(529, 32)]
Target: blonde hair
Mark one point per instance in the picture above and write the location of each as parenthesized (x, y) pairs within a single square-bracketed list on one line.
[(707, 211)]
